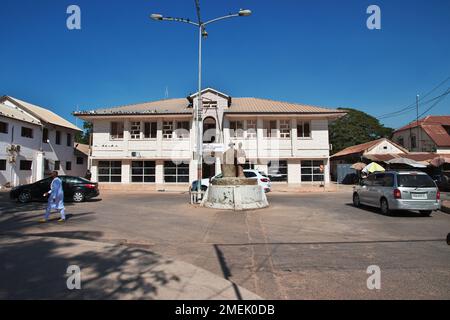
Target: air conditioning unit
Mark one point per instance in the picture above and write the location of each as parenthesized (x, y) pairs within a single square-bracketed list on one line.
[(135, 154)]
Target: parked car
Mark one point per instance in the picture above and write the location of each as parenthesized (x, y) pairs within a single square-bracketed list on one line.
[(75, 189), (442, 182), (403, 190), (263, 180)]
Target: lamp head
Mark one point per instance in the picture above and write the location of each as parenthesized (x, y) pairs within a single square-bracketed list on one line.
[(245, 12), (156, 16)]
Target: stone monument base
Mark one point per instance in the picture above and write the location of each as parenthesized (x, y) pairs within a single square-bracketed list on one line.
[(235, 194)]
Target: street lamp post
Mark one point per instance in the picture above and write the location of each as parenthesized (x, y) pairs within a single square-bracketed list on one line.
[(198, 109)]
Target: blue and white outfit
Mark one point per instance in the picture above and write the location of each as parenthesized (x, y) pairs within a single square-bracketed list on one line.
[(56, 198)]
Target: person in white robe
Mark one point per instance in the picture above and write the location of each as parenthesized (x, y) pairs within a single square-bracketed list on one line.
[(55, 198)]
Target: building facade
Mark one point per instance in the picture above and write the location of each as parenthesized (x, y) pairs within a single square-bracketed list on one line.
[(35, 141), (154, 143), (361, 152), (430, 134)]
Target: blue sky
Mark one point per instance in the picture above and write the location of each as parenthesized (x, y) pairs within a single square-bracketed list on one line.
[(316, 52)]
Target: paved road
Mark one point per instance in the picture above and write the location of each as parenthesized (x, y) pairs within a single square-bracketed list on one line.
[(305, 246)]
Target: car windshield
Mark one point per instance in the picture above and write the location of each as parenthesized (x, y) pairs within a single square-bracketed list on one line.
[(415, 181)]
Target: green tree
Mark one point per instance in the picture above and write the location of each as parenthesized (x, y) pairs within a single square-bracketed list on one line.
[(355, 128), (83, 137)]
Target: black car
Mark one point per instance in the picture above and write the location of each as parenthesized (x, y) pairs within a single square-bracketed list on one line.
[(75, 189)]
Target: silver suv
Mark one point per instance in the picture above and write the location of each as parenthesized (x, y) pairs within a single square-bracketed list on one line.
[(391, 190)]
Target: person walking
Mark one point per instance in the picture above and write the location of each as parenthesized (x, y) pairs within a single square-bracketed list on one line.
[(55, 198)]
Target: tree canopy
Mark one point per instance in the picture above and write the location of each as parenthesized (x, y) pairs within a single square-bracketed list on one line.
[(83, 137), (355, 128)]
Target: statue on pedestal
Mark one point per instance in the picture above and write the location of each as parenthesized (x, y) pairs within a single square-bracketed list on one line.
[(233, 162), (233, 191)]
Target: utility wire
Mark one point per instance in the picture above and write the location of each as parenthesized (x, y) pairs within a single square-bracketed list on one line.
[(197, 7), (412, 105), (441, 98), (422, 103)]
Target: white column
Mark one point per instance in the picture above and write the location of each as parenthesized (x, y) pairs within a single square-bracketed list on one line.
[(193, 174), (39, 174), (218, 166), (294, 137), (259, 137), (159, 172), (126, 171), (159, 138), (226, 133), (327, 170), (94, 170), (294, 171), (126, 136)]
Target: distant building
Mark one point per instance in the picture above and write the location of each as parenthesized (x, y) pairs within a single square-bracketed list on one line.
[(154, 143), (358, 153), (430, 134), (35, 141)]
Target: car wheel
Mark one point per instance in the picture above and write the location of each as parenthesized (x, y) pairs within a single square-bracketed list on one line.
[(78, 196), (24, 197), (356, 200), (425, 213), (384, 206)]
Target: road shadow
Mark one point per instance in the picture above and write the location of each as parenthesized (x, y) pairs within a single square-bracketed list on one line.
[(37, 269), (19, 223), (9, 206), (393, 214)]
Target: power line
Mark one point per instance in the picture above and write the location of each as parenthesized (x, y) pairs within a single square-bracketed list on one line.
[(412, 105), (398, 113), (441, 98), (197, 7)]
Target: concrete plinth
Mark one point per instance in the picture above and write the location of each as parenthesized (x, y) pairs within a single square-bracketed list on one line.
[(235, 197)]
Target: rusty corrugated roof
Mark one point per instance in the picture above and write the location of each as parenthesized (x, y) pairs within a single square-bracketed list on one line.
[(416, 156), (434, 127)]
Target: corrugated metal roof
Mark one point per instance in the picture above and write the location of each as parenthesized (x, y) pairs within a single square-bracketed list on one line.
[(428, 120), (416, 156), (42, 114), (169, 106), (438, 134), (257, 105), (433, 126), (17, 114), (363, 147), (238, 105)]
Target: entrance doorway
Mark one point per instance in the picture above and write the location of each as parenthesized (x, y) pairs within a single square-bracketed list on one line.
[(209, 130)]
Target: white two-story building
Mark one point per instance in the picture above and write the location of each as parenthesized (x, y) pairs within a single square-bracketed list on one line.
[(35, 141), (154, 142)]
